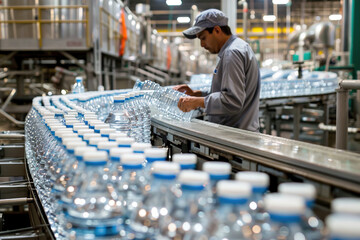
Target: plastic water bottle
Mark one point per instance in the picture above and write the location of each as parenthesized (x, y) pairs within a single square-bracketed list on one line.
[(95, 210), (78, 87), (124, 142), (343, 226), (140, 147), (285, 217), (188, 219), (259, 183), (346, 205), (146, 116), (153, 155), (186, 160), (133, 185), (311, 224), (217, 171), (119, 117), (158, 203), (232, 219)]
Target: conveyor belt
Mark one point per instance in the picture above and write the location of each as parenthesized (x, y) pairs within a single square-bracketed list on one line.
[(334, 167)]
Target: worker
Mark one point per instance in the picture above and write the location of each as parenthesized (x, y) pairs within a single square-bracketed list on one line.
[(234, 96)]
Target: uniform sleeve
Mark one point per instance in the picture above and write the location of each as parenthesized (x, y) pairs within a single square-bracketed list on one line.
[(230, 99)]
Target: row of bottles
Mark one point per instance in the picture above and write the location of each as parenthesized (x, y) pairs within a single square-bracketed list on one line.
[(96, 182)]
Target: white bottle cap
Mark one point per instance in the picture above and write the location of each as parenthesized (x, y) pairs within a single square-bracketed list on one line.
[(58, 128), (166, 168), (140, 147), (118, 152), (94, 122), (80, 126), (305, 190), (68, 135), (156, 153), (52, 121), (131, 94), (184, 158), (125, 141), (71, 122), (284, 204), (114, 136), (233, 189), (346, 205), (87, 136), (107, 130), (74, 144), (59, 133), (119, 97), (66, 140), (217, 168), (132, 159), (101, 126), (96, 140), (256, 179), (71, 112), (90, 118), (106, 145), (70, 117), (98, 156), (343, 226), (79, 151), (81, 132), (89, 113), (193, 177)]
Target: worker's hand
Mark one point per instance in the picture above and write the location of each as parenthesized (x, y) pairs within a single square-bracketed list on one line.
[(184, 89), (186, 104)]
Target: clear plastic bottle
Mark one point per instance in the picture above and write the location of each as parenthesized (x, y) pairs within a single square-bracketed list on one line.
[(285, 217), (343, 227), (232, 219), (311, 224), (188, 218), (152, 155), (133, 185), (260, 183), (119, 117), (157, 204), (186, 160), (145, 110), (96, 210), (78, 87), (217, 171)]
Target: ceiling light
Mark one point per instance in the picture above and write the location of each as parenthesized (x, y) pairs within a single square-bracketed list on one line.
[(280, 2), (269, 18), (173, 2), (335, 17), (183, 19)]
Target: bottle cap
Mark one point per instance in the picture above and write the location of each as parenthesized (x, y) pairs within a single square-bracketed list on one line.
[(132, 159), (346, 205), (140, 147), (193, 177), (277, 203), (155, 154), (66, 140), (87, 136), (80, 126), (96, 140), (79, 151), (166, 168), (75, 144), (125, 141), (60, 133), (101, 126), (95, 158), (107, 130), (184, 158), (343, 226), (256, 179), (114, 136), (233, 189), (118, 152), (306, 190), (106, 145), (217, 168)]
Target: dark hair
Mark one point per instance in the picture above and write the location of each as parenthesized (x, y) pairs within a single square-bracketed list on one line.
[(225, 29)]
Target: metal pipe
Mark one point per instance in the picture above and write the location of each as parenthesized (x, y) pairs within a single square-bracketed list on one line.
[(16, 201), (349, 84), (245, 10), (341, 118)]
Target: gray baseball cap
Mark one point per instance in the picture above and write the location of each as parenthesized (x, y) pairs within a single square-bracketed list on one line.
[(206, 19)]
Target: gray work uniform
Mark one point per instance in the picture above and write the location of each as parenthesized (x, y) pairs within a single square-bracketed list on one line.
[(234, 96)]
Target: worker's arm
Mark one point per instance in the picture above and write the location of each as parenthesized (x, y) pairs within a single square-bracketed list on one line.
[(187, 90), (186, 104)]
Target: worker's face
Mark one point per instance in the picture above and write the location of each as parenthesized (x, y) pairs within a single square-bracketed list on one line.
[(209, 41)]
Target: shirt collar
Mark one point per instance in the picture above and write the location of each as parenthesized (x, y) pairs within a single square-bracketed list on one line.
[(228, 42)]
